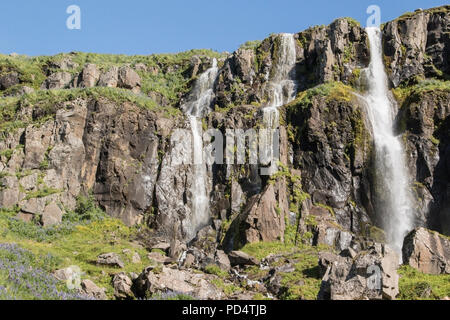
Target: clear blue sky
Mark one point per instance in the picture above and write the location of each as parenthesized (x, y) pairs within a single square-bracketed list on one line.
[(159, 26)]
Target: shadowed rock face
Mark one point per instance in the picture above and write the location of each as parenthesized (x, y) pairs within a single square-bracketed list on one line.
[(427, 251), (423, 119)]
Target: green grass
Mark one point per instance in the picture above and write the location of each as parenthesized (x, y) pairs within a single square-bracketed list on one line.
[(83, 244), (30, 69), (436, 10), (406, 94), (84, 234), (227, 288), (170, 81), (353, 22), (216, 270), (251, 44), (304, 283), (41, 193), (415, 285), (261, 250), (331, 91)]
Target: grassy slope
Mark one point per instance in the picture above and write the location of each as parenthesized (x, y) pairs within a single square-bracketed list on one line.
[(415, 285), (76, 243)]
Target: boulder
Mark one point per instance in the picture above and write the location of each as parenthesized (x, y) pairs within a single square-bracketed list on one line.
[(222, 260), (24, 90), (52, 215), (177, 281), (189, 260), (141, 67), (32, 206), (89, 76), (109, 78), (91, 289), (159, 258), (110, 259), (163, 246), (136, 258), (239, 258), (427, 251), (58, 80), (65, 64), (129, 79), (66, 274), (263, 215), (8, 80), (369, 275), (25, 217), (122, 286), (9, 191)]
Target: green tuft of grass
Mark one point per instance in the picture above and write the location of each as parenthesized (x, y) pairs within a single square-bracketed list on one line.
[(415, 285), (261, 250), (216, 270), (333, 90)]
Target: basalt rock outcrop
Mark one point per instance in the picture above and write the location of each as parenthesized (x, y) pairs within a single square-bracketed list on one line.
[(332, 53), (418, 45), (90, 145)]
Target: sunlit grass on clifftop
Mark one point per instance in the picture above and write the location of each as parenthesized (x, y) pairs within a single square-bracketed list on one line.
[(333, 90), (166, 74), (406, 94)]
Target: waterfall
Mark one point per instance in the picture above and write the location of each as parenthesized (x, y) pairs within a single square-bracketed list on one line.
[(395, 209), (281, 89), (197, 105)]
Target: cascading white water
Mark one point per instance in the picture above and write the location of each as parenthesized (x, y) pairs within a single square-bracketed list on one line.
[(199, 101), (392, 176), (281, 89)]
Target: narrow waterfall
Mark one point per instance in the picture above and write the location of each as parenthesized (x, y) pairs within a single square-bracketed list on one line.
[(281, 89), (198, 103), (392, 176)]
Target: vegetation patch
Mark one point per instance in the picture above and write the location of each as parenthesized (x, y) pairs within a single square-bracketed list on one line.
[(216, 270), (83, 235), (305, 281), (415, 285), (331, 91), (26, 276)]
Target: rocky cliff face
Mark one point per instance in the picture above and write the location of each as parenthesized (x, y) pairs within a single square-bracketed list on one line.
[(75, 124), (416, 45)]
